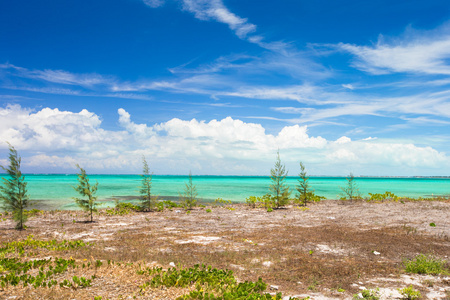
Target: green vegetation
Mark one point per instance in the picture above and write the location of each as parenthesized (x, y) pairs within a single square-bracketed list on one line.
[(146, 187), (251, 201), (14, 271), (212, 284), (409, 293), (426, 264), (351, 190), (123, 208), (387, 196), (86, 190), (368, 294), (19, 247), (303, 187), (266, 201), (13, 191), (278, 188), (188, 198)]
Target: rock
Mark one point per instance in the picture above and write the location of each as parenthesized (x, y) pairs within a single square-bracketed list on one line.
[(274, 287), (267, 263), (376, 252), (172, 264)]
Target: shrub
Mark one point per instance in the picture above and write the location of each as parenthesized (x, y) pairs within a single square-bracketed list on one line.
[(13, 192), (368, 294), (382, 197), (426, 264), (251, 201), (410, 293)]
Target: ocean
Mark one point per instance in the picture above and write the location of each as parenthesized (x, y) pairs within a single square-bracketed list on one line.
[(56, 192)]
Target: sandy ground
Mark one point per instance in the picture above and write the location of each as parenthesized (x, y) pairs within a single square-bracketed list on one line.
[(329, 250)]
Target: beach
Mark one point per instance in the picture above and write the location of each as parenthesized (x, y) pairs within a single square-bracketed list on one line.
[(327, 250)]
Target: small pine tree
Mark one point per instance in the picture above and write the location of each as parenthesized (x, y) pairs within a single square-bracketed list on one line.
[(278, 188), (86, 190), (303, 186), (188, 198), (13, 192), (351, 190), (146, 187)]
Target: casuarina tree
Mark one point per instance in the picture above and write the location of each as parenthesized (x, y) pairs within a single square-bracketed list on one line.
[(13, 191)]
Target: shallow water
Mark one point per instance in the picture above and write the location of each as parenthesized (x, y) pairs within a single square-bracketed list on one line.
[(56, 192)]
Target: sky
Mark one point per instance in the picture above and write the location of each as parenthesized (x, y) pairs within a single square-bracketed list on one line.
[(217, 87)]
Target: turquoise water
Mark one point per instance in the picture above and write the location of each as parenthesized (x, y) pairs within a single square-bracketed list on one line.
[(56, 192)]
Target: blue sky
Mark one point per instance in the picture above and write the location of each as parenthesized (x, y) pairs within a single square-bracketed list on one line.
[(217, 87)]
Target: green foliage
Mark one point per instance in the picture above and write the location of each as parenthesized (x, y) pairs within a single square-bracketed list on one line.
[(266, 201), (147, 200), (160, 206), (221, 202), (44, 277), (13, 191), (278, 188), (188, 198), (410, 293), (432, 224), (387, 196), (211, 284), (368, 295), (351, 190), (19, 247), (208, 210), (251, 201), (303, 187), (123, 208), (86, 190), (39, 272), (426, 264), (33, 212)]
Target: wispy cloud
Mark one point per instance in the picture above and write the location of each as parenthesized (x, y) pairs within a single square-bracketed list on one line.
[(215, 10), (416, 52), (58, 76)]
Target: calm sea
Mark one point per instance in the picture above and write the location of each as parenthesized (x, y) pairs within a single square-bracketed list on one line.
[(56, 192)]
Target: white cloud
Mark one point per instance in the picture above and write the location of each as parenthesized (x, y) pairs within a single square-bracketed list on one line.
[(417, 53), (55, 140), (348, 86), (58, 76), (154, 3), (216, 10)]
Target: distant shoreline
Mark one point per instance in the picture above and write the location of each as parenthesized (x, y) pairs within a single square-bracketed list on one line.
[(248, 176)]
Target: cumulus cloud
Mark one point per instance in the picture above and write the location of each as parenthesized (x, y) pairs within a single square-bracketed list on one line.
[(52, 140)]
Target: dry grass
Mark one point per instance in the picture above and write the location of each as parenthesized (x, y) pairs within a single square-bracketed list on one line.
[(328, 247)]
